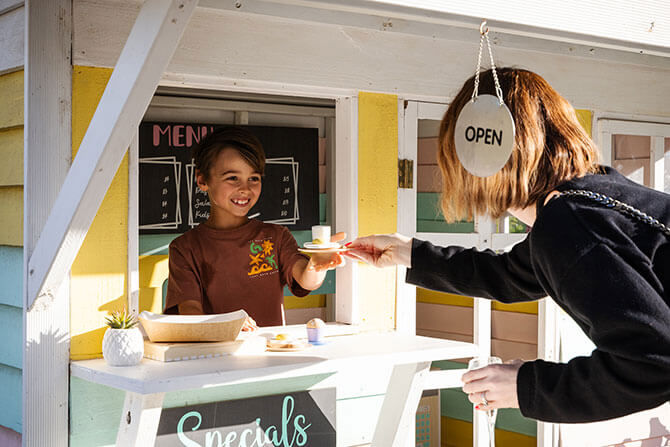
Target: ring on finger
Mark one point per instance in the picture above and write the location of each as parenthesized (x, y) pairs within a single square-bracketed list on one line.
[(484, 401)]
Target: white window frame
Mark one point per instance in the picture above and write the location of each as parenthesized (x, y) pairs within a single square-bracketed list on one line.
[(342, 159)]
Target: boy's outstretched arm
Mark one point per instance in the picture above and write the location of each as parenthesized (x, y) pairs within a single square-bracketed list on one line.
[(310, 274)]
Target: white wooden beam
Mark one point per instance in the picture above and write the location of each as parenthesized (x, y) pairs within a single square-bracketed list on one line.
[(47, 155), (345, 186), (150, 46), (408, 129)]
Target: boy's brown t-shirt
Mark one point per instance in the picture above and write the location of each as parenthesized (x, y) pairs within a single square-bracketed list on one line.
[(226, 270)]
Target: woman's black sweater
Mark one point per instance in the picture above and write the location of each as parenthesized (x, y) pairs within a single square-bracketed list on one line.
[(608, 271)]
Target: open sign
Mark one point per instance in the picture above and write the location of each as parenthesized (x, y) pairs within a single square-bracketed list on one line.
[(484, 135)]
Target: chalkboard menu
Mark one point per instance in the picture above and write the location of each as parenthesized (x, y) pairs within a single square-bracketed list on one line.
[(304, 418), (171, 202)]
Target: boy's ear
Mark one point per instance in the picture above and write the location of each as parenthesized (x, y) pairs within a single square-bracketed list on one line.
[(200, 180)]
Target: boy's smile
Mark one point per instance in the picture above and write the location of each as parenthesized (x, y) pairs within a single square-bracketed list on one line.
[(233, 187)]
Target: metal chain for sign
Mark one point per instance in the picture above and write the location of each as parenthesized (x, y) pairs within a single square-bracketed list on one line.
[(485, 34), (484, 130)]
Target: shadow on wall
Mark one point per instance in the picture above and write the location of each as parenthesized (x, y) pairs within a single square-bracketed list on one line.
[(659, 436)]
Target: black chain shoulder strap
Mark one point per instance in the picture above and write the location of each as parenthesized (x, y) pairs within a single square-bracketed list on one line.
[(619, 206)]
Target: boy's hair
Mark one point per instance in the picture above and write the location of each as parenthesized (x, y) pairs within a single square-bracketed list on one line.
[(238, 138), (550, 147)]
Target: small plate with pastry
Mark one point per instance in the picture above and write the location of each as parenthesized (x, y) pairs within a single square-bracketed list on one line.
[(285, 343)]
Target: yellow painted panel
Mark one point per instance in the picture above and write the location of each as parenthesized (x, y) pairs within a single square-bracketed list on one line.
[(526, 308), (430, 296), (151, 299), (585, 119), (377, 163), (306, 302), (11, 215), (154, 270), (433, 297), (98, 282), (377, 200), (457, 433), (11, 100), (11, 154)]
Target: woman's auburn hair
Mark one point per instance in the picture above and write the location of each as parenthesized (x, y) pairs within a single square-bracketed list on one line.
[(550, 147)]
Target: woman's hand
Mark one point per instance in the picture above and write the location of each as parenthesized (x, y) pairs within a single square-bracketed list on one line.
[(249, 325), (382, 250), (495, 384), (320, 262)]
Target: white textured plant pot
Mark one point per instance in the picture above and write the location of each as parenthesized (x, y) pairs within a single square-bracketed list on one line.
[(123, 347)]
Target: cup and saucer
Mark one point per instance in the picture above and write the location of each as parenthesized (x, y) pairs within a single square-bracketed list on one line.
[(321, 241)]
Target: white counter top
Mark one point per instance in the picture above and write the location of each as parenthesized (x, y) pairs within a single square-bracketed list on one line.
[(343, 352)]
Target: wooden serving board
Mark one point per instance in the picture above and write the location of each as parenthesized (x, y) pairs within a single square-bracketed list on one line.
[(172, 352)]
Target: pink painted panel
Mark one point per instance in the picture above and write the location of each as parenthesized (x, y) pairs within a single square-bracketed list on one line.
[(322, 179), (428, 178), (626, 147), (9, 438), (508, 326), (636, 170), (510, 350), (427, 151), (322, 151)]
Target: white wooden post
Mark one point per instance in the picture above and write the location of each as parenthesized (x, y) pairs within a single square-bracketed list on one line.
[(139, 419), (547, 349), (407, 149), (145, 56), (133, 227), (657, 160), (485, 227), (346, 204), (47, 155)]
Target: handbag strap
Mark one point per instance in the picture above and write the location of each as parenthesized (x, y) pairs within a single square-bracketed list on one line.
[(619, 206)]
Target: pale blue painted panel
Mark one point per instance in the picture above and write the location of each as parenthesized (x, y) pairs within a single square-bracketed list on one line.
[(12, 394), (11, 334), (11, 274)]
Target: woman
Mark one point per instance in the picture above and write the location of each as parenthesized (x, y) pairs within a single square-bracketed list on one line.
[(605, 267)]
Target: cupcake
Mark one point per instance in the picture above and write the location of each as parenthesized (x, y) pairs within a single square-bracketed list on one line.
[(315, 330)]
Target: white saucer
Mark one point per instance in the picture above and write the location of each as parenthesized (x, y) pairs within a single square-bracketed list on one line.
[(321, 246)]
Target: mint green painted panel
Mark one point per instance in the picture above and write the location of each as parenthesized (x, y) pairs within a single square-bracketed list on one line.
[(156, 244), (12, 395), (430, 218), (11, 275), (95, 410), (433, 226), (323, 205), (11, 334), (428, 206)]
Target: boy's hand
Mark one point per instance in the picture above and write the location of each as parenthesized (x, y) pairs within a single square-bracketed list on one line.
[(249, 325), (320, 262)]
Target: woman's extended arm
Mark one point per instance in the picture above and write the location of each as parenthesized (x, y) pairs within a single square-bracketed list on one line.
[(507, 277)]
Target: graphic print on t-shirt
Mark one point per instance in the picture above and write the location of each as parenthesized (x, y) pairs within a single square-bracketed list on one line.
[(262, 257)]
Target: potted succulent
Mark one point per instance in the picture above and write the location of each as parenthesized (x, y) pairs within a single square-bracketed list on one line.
[(123, 344)]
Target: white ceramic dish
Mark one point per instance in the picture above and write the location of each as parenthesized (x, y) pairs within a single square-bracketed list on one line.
[(311, 246)]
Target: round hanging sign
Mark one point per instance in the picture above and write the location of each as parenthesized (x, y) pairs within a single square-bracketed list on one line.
[(484, 135)]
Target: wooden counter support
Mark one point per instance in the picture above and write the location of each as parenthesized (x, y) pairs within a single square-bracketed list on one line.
[(395, 427), (139, 419)]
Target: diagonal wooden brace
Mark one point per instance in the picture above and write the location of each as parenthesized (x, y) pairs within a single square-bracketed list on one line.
[(148, 50)]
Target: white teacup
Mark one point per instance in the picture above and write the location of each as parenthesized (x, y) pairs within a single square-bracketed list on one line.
[(321, 234)]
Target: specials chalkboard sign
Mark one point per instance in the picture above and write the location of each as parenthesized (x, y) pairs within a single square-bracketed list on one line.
[(305, 418), (171, 202)]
